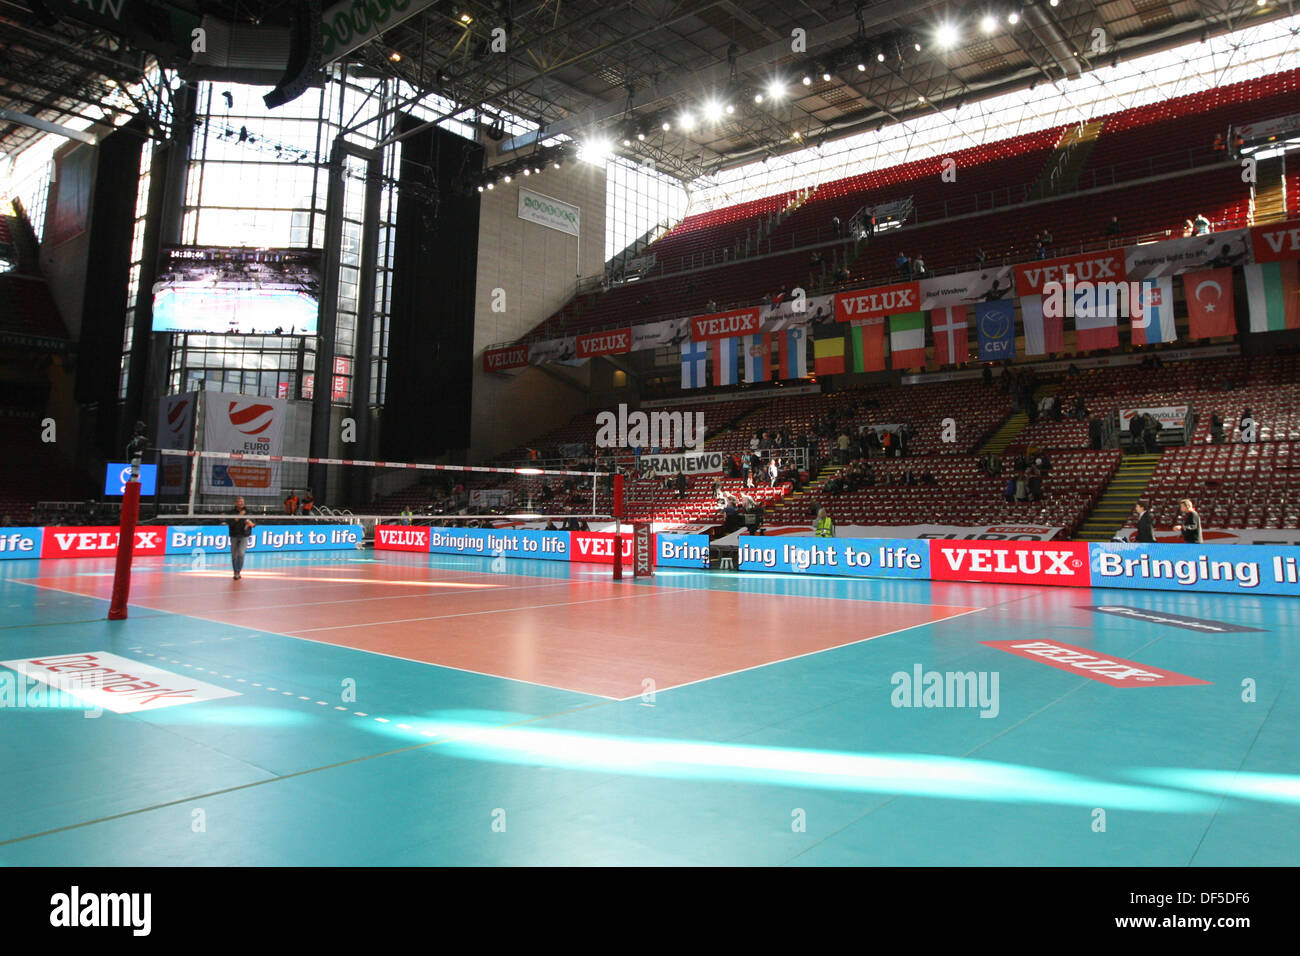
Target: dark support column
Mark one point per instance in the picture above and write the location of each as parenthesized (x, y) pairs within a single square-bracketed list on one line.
[(360, 490), (329, 296)]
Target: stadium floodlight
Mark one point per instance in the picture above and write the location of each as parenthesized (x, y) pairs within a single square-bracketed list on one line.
[(1054, 3), (713, 111), (826, 76), (491, 186), (758, 97), (947, 35), (1013, 18), (527, 171), (880, 57), (626, 141), (666, 126), (595, 151), (480, 189), (862, 67), (730, 109), (917, 46), (506, 178), (640, 136), (807, 80), (687, 121), (989, 23), (776, 90)]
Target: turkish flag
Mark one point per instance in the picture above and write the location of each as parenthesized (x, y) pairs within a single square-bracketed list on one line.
[(1209, 303)]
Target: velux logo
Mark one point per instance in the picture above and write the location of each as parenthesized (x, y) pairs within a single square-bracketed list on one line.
[(1016, 562), (656, 429), (77, 909)]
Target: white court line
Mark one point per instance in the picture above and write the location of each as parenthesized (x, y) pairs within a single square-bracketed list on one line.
[(440, 617), (397, 597), (820, 650)]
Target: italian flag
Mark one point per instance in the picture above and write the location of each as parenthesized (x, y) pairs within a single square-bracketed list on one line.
[(1273, 289), (907, 340)]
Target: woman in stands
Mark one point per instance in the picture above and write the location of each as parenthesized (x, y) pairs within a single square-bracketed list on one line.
[(824, 527)]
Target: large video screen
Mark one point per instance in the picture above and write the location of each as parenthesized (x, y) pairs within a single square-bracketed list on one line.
[(237, 291)]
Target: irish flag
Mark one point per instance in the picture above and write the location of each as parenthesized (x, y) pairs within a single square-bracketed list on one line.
[(1273, 289), (907, 340)]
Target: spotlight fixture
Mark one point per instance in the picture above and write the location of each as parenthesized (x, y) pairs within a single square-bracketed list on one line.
[(730, 109), (713, 110), (807, 80), (862, 67), (626, 141), (917, 46), (466, 19), (666, 126), (480, 189), (1013, 18), (527, 171), (506, 178), (826, 76), (640, 137), (758, 97), (395, 57), (491, 186), (989, 23), (947, 35), (687, 121), (880, 57)]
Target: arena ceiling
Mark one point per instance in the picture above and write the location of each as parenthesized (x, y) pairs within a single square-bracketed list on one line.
[(623, 69)]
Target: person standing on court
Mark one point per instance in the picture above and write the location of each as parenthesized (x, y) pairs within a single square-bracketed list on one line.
[(240, 528), (1146, 525), (824, 527), (1190, 523)]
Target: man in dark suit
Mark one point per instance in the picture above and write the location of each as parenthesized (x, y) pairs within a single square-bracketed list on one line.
[(1146, 532)]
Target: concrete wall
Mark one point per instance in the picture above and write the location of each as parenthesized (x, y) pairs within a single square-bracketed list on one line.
[(536, 267)]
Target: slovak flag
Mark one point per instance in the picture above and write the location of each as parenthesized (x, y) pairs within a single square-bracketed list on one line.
[(755, 352), (792, 350), (726, 361), (695, 360), (1155, 323)]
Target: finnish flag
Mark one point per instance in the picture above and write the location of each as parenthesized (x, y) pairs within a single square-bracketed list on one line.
[(695, 360)]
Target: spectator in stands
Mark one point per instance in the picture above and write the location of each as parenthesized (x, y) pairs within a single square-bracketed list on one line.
[(1200, 225), (1220, 147), (1046, 237), (1095, 432), (1237, 144), (1113, 227), (1217, 435), (1022, 485), (903, 265), (1009, 492), (1080, 408), (987, 375), (1151, 429), (1135, 426), (842, 445), (841, 274), (981, 257), (918, 267), (680, 484), (1034, 480), (824, 527), (1249, 428), (815, 260), (755, 466), (927, 478), (870, 223), (835, 226), (239, 528), (1188, 228), (1146, 524), (291, 502), (1190, 523), (773, 471), (308, 503), (1040, 249), (872, 442), (909, 478), (889, 442)]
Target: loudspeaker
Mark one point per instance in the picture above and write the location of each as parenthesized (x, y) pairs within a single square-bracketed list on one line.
[(304, 54)]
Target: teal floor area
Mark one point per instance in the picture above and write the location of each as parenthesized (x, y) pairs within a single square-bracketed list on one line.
[(338, 757)]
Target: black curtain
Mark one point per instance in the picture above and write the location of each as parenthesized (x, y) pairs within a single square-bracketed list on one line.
[(108, 251), (435, 262)]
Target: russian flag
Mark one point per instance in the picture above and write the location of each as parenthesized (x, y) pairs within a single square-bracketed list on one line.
[(754, 348), (726, 361), (1157, 309), (695, 360)]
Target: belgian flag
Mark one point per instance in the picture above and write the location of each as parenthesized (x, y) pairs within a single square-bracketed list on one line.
[(828, 351)]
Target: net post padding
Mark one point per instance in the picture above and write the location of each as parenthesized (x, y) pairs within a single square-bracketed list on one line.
[(618, 519), (125, 547)]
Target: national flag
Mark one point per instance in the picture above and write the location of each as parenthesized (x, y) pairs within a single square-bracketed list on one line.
[(996, 324), (1273, 290), (1209, 303), (792, 353), (1096, 317), (828, 351), (907, 340), (867, 345), (756, 354), (1043, 333), (726, 361), (1155, 312), (951, 342), (695, 360)]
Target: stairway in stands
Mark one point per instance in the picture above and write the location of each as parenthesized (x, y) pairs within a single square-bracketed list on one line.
[(1115, 505), (1061, 171), (1005, 435), (1269, 191)]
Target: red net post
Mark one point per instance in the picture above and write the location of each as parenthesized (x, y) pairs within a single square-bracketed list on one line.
[(125, 549), (618, 537)]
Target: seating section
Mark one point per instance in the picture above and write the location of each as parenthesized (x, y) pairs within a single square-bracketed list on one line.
[(1267, 385), (30, 472), (1133, 144), (1292, 183), (964, 495), (1233, 486), (28, 310)]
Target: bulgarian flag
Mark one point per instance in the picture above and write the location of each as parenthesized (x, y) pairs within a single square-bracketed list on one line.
[(1273, 289), (867, 345), (907, 340)]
